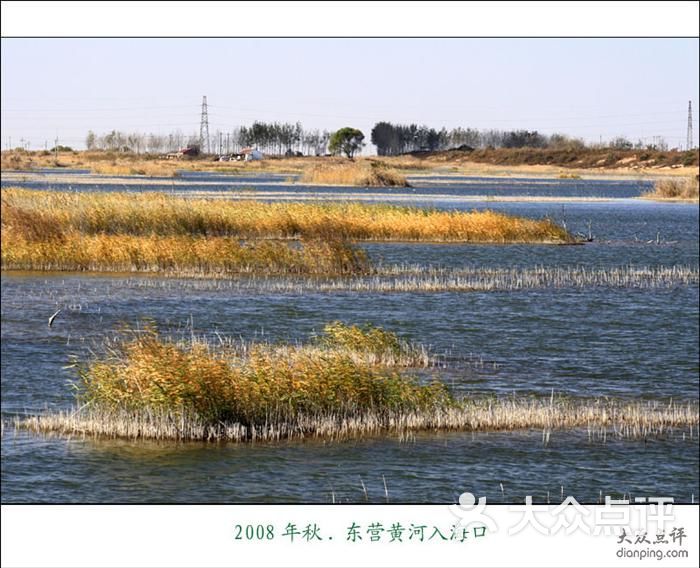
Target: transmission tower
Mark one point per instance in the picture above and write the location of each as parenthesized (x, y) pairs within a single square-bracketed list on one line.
[(204, 127), (689, 138)]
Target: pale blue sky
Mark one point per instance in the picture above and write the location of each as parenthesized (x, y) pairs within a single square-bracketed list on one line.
[(583, 87)]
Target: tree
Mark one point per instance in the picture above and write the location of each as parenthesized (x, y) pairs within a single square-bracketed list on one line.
[(346, 140), (385, 138), (90, 140), (621, 143), (524, 139)]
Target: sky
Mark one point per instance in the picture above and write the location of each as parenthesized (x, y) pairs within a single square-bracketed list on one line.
[(589, 88)]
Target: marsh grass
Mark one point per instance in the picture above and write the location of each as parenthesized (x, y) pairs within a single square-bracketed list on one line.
[(143, 168), (160, 214), (429, 279), (360, 173), (600, 418), (49, 236), (144, 386), (675, 188), (255, 383), (179, 255), (403, 279), (504, 160), (375, 345), (12, 160)]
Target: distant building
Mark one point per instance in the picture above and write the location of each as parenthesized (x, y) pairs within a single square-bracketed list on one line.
[(188, 151), (250, 154)]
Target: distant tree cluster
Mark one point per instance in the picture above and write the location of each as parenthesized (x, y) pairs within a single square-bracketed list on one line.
[(271, 138), (281, 138), (139, 143), (392, 139)]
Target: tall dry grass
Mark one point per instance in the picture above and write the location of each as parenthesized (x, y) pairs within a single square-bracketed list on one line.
[(361, 173), (258, 383), (344, 384), (599, 418), (160, 214), (44, 236), (180, 255), (13, 160), (373, 345), (120, 163), (399, 279), (675, 188)]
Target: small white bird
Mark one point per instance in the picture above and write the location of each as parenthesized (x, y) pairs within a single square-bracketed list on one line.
[(53, 317)]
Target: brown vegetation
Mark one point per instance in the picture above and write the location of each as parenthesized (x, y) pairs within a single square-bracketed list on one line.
[(45, 212), (361, 173), (569, 157), (577, 158), (683, 189), (180, 255), (343, 385)]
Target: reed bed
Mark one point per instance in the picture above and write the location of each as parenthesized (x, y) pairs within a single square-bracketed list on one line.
[(141, 168), (12, 160), (256, 382), (360, 173), (675, 188), (601, 418), (372, 345), (343, 384), (389, 279), (45, 213), (366, 345), (180, 255), (422, 279)]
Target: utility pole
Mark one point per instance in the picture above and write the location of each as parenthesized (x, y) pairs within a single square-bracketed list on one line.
[(55, 149), (221, 147), (689, 136), (204, 127)]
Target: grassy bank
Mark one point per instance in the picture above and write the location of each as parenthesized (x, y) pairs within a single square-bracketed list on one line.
[(347, 382), (44, 214), (488, 161), (361, 173), (683, 189), (567, 157)]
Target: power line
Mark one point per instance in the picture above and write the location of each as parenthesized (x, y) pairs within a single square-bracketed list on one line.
[(108, 109)]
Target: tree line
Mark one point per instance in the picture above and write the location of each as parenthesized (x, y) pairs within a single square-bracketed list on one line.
[(393, 139), (274, 138), (282, 138)]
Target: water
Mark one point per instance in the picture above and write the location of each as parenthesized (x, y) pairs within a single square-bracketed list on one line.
[(81, 180), (626, 343)]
